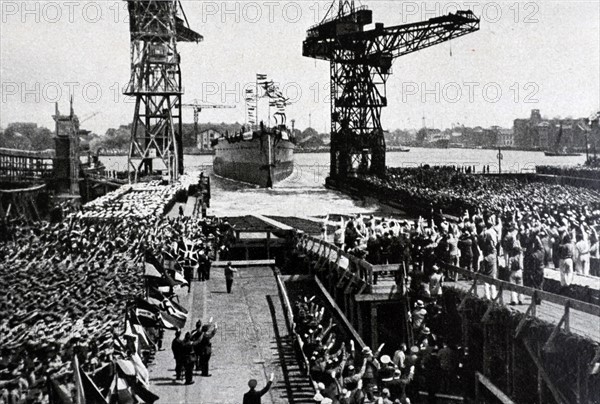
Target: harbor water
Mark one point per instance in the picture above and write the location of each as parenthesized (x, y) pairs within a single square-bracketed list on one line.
[(303, 194)]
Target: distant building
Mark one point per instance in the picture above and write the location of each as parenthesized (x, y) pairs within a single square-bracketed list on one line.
[(537, 132), (205, 138), (505, 138)]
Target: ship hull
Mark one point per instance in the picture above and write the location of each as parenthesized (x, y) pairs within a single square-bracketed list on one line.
[(250, 161)]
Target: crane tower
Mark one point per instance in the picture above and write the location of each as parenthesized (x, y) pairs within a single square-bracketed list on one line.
[(156, 132), (360, 64)]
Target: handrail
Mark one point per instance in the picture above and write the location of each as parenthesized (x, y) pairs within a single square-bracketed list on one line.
[(290, 324), (364, 270), (507, 286)]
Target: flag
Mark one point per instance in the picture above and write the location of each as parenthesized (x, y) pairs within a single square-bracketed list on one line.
[(121, 390), (133, 327), (156, 272), (151, 271), (128, 389), (57, 393), (86, 390), (170, 322), (126, 367), (140, 369), (143, 394), (177, 276), (146, 305), (103, 378), (261, 78), (146, 318)]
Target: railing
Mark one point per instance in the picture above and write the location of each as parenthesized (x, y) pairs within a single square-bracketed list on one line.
[(525, 290), (25, 165), (357, 269), (335, 17), (290, 323)]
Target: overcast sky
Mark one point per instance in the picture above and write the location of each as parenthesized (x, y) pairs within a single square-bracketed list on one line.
[(543, 55)]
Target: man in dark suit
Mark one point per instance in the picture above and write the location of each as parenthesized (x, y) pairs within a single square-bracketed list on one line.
[(229, 272), (253, 396), (177, 348), (208, 331), (189, 358)]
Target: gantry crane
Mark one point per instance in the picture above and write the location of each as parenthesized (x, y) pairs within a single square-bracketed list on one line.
[(155, 83), (198, 107), (360, 63)]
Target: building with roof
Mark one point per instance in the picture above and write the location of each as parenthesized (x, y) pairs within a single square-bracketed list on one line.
[(204, 139)]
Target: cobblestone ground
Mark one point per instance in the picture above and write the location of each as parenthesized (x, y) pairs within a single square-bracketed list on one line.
[(244, 347)]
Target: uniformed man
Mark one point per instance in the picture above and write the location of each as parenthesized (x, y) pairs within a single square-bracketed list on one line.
[(253, 396), (177, 348), (229, 272), (204, 349), (189, 358)]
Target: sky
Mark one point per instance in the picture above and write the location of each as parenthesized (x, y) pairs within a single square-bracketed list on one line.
[(527, 55)]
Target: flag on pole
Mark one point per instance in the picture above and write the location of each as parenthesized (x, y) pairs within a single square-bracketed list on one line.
[(86, 391), (57, 393), (261, 78)]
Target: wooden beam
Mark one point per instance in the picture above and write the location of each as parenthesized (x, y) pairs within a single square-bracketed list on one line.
[(563, 320), (472, 291), (538, 363), (383, 297), (487, 383), (531, 311), (341, 314), (374, 322), (494, 302)]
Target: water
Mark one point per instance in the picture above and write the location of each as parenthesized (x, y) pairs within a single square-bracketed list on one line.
[(304, 195)]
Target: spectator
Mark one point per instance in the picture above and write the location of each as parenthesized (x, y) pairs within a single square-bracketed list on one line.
[(566, 251)]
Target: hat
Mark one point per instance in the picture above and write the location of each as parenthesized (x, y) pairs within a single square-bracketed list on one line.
[(385, 359), (426, 331), (420, 304), (397, 372), (252, 383)]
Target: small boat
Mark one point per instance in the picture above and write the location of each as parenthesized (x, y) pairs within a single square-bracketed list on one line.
[(402, 149)]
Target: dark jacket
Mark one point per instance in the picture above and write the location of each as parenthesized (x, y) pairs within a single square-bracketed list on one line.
[(177, 348), (253, 396)]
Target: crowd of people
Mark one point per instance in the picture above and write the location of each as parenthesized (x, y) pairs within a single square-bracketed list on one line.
[(590, 171), (75, 290), (497, 221), (343, 374)]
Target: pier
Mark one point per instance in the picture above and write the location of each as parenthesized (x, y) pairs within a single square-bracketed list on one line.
[(252, 341)]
